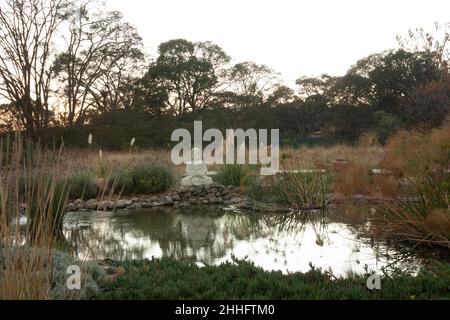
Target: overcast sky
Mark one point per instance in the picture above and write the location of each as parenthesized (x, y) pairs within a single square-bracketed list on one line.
[(294, 38)]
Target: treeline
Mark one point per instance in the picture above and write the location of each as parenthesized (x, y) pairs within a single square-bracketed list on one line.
[(68, 68)]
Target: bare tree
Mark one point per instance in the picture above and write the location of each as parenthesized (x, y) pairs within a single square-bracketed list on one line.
[(436, 42), (102, 52), (27, 28)]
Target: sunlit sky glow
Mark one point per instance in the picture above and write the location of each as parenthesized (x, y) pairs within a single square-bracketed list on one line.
[(294, 38)]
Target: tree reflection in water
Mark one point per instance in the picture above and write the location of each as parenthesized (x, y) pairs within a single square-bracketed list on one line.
[(286, 242)]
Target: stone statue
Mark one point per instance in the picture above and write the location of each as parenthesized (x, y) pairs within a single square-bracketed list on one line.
[(197, 171)]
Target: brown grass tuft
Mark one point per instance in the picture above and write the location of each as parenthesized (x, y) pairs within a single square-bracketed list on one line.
[(437, 223), (354, 179)]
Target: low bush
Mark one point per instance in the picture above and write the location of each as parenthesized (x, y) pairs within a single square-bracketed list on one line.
[(145, 178), (91, 276), (82, 185), (171, 279)]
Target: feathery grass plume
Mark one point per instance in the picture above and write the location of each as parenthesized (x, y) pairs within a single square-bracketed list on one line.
[(132, 144)]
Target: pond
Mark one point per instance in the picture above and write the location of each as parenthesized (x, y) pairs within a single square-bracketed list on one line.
[(284, 242)]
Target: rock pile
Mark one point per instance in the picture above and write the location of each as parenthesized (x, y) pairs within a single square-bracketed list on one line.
[(213, 194)]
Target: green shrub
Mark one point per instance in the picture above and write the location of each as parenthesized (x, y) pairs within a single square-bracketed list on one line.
[(124, 181), (145, 178), (232, 174), (92, 274), (170, 279), (82, 185)]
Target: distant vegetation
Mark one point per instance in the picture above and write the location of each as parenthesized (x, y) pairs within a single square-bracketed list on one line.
[(101, 80), (389, 112)]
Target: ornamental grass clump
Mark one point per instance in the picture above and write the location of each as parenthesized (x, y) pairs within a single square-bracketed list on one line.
[(300, 190), (232, 175), (420, 215)]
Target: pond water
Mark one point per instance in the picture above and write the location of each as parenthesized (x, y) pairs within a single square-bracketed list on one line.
[(286, 242)]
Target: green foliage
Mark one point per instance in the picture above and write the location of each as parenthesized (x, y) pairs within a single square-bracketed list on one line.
[(302, 190), (145, 178), (385, 124), (232, 174), (45, 198), (170, 279), (81, 185)]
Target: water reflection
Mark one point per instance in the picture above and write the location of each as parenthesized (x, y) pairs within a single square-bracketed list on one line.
[(289, 242)]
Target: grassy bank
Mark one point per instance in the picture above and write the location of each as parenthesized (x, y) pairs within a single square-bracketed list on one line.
[(169, 279)]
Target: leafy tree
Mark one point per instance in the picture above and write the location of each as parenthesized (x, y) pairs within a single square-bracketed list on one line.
[(252, 83), (190, 73), (381, 80), (347, 122), (149, 94), (310, 86), (281, 95), (385, 124), (428, 106)]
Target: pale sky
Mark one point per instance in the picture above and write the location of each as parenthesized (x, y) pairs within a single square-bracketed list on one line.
[(294, 38)]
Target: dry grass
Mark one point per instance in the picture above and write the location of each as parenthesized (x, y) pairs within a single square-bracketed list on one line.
[(388, 186), (32, 189), (355, 179), (323, 157), (87, 159), (27, 274), (437, 223), (364, 156), (412, 153), (26, 251)]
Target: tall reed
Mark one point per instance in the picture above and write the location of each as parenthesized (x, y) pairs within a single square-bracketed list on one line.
[(301, 190), (32, 201)]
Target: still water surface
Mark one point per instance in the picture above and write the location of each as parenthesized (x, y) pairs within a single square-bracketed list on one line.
[(288, 242)]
